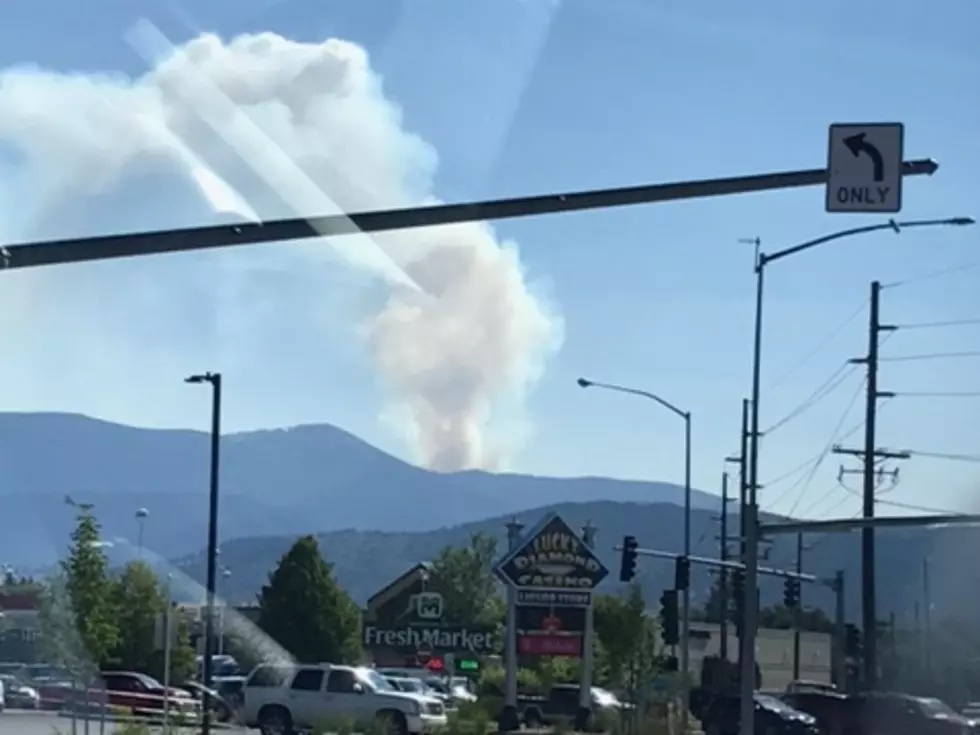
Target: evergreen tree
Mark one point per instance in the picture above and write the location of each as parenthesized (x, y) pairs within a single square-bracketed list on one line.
[(304, 609), (79, 620)]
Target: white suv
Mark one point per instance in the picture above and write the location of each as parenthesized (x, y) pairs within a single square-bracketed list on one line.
[(278, 699)]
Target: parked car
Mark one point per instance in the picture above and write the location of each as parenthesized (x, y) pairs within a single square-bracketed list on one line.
[(280, 699), (17, 694), (144, 695), (561, 705)]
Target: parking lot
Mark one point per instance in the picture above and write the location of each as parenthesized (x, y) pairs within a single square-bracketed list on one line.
[(26, 722)]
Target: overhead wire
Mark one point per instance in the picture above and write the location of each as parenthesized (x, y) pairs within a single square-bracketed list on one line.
[(790, 473), (825, 389), (937, 394), (819, 347), (959, 268), (804, 482)]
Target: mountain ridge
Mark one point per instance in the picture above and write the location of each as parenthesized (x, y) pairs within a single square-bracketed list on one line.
[(313, 477)]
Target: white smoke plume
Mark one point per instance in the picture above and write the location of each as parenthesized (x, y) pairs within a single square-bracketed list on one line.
[(264, 127)]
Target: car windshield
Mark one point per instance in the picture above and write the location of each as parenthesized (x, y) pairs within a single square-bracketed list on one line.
[(409, 685), (375, 680), (437, 685), (773, 704)]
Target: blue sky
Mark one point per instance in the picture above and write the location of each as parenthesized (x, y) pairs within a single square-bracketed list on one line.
[(532, 96)]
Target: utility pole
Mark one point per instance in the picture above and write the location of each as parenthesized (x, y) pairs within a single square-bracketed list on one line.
[(840, 630), (743, 475), (927, 616), (798, 610), (723, 572), (870, 454), (742, 461)]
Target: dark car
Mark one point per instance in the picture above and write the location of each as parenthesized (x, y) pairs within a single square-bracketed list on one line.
[(879, 713), (901, 714), (773, 716), (835, 712), (561, 706)]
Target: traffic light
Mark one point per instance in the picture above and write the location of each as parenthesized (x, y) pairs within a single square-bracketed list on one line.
[(668, 617), (738, 599), (791, 592), (682, 573), (627, 569), (853, 645)]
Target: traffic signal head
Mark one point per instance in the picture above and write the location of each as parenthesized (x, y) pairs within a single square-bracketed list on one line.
[(668, 617), (682, 573), (791, 593), (627, 568)]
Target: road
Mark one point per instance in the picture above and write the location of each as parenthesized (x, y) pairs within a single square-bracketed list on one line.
[(24, 722)]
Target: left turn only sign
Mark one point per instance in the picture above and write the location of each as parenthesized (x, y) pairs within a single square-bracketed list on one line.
[(864, 167)]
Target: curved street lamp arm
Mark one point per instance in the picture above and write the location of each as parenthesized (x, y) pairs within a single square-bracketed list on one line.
[(765, 258), (636, 392)]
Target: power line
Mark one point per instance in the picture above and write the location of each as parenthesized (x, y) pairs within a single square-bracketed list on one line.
[(825, 389), (931, 356), (819, 347), (857, 427), (799, 468), (939, 394), (940, 325), (805, 481), (935, 274)]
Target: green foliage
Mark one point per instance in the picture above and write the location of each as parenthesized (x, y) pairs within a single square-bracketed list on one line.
[(306, 611), (626, 635), (138, 598), (464, 576), (78, 617), (553, 670)]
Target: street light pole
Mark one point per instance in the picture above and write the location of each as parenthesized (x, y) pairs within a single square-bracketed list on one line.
[(212, 551), (751, 605), (686, 592)]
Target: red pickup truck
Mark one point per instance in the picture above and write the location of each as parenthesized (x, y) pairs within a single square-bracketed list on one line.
[(144, 695)]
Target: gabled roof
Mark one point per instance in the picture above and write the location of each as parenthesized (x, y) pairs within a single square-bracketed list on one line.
[(398, 586)]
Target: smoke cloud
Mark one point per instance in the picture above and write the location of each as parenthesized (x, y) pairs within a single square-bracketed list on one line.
[(264, 127)]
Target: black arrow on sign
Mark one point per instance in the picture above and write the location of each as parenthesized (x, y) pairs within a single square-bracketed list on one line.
[(858, 144)]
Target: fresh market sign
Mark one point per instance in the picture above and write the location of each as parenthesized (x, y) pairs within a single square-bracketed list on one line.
[(476, 639)]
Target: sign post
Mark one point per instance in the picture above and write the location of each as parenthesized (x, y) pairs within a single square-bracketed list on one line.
[(864, 167), (550, 569)]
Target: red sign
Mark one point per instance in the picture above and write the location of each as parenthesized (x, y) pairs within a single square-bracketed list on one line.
[(550, 645), (435, 664), (551, 623)]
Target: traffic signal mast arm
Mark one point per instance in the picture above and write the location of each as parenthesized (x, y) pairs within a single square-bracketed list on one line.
[(719, 564)]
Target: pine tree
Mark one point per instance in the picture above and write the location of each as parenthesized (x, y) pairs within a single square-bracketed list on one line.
[(304, 609), (79, 621)]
